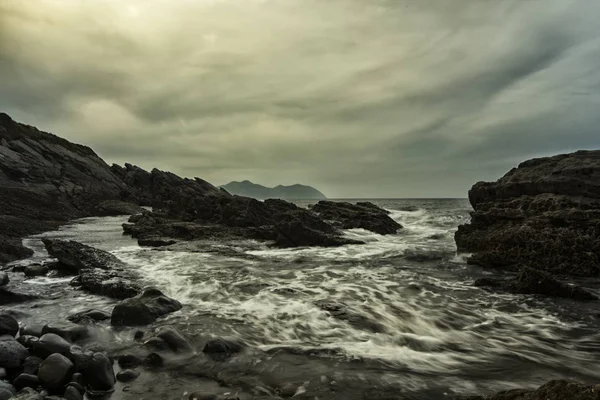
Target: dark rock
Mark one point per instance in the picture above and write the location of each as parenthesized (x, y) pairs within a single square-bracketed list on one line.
[(10, 297), (127, 375), (3, 374), (51, 343), (143, 309), (341, 312), (175, 340), (78, 256), (31, 329), (28, 341), (202, 396), (4, 279), (99, 373), (88, 316), (72, 393), (109, 208), (553, 390), (363, 215), (78, 386), (78, 378), (157, 344), (4, 385), (108, 284), (35, 270), (5, 394), (138, 335), (31, 365), (12, 353), (221, 349), (545, 215), (69, 332), (55, 372), (28, 394), (129, 361), (155, 241), (153, 360), (26, 380), (8, 325), (81, 358)]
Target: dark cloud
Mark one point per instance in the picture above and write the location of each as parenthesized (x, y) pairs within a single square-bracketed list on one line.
[(371, 99)]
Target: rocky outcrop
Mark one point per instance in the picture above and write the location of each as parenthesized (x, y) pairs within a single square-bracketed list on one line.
[(545, 215), (553, 390), (45, 181), (110, 208), (365, 215), (99, 272)]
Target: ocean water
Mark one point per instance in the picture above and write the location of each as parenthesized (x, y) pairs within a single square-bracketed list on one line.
[(413, 327)]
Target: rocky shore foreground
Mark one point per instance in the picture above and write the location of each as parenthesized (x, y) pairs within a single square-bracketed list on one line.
[(537, 230)]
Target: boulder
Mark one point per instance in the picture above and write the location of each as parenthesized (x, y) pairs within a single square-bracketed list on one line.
[(69, 332), (222, 349), (8, 325), (72, 393), (128, 361), (31, 365), (105, 283), (89, 316), (78, 256), (127, 375), (81, 358), (26, 380), (55, 372), (143, 309), (99, 373), (175, 340), (4, 279), (544, 215), (34, 270), (12, 353), (110, 208), (363, 215), (51, 343)]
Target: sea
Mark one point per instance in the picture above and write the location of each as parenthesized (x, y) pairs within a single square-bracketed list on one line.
[(411, 325)]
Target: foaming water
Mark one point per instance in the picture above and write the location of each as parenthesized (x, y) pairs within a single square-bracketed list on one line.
[(399, 310)]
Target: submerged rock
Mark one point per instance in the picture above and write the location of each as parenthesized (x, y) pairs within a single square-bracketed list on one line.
[(127, 375), (341, 312), (544, 215), (175, 340), (222, 349), (89, 316), (143, 309), (35, 270)]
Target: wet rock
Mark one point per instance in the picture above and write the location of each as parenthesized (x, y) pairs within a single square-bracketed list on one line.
[(8, 325), (51, 343), (72, 393), (108, 284), (71, 333), (129, 361), (154, 360), (531, 281), (78, 378), (12, 353), (110, 208), (78, 386), (138, 335), (341, 312), (81, 358), (99, 373), (28, 394), (55, 372), (32, 271), (26, 380), (222, 349), (5, 394), (175, 340), (28, 341), (153, 241), (144, 308), (11, 297), (89, 316), (78, 256), (31, 365), (553, 390), (157, 344), (31, 329), (127, 375), (363, 215), (543, 215), (4, 279), (4, 385)]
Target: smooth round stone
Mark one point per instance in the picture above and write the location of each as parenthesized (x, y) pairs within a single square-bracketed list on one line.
[(12, 353), (8, 325), (26, 380), (71, 393), (55, 372), (127, 375)]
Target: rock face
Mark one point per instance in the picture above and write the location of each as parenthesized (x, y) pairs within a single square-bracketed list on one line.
[(545, 215), (45, 181), (143, 309), (292, 192), (363, 215)]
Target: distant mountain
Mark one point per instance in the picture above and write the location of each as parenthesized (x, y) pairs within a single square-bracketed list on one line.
[(293, 192)]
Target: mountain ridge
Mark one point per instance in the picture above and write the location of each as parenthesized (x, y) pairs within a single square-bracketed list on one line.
[(296, 191)]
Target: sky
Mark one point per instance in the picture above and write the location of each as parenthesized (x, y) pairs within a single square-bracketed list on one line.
[(379, 98)]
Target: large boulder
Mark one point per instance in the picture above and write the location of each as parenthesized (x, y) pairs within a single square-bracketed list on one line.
[(365, 215), (12, 353), (78, 256), (545, 215), (144, 308), (55, 372), (8, 325)]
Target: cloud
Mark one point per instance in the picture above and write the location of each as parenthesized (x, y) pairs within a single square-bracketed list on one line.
[(368, 99)]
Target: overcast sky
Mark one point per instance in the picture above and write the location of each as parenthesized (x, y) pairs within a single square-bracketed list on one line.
[(378, 98)]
